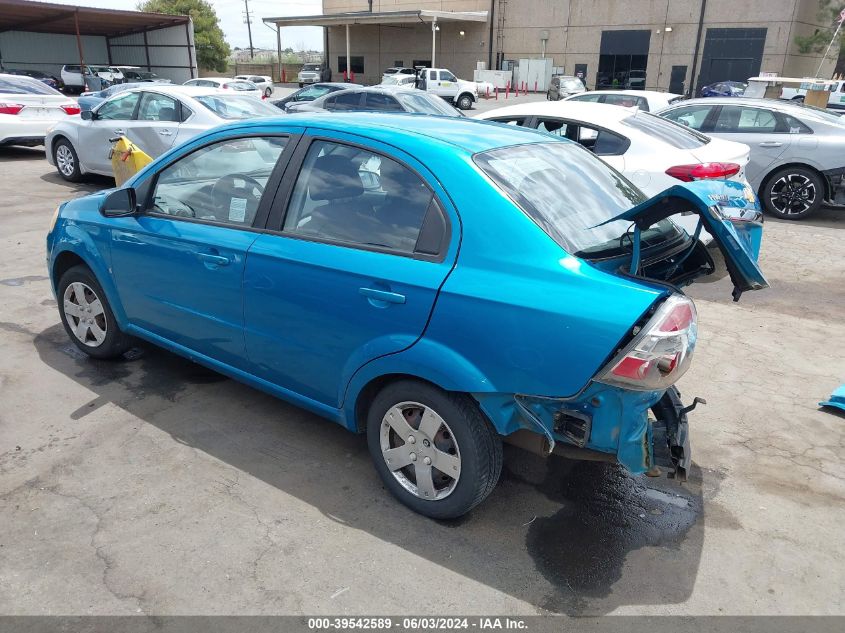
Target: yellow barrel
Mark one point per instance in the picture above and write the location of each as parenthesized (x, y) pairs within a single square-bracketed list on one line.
[(127, 159)]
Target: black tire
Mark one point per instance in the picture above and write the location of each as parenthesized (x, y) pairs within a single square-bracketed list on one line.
[(464, 102), (793, 193), (477, 442), (71, 175), (115, 342)]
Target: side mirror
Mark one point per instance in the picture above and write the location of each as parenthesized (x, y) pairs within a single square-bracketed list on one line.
[(119, 203), (87, 115)]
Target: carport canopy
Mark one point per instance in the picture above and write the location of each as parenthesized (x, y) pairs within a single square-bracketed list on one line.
[(379, 17), (62, 19)]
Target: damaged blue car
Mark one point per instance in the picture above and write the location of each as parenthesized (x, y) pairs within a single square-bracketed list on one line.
[(442, 285)]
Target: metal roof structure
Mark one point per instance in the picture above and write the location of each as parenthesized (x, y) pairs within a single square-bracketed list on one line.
[(379, 17), (44, 17)]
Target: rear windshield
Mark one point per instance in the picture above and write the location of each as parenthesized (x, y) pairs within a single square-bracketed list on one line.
[(569, 192), (421, 102), (25, 86), (570, 84), (241, 86), (671, 133), (237, 107)]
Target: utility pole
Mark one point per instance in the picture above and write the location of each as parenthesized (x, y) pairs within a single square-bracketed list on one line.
[(248, 22)]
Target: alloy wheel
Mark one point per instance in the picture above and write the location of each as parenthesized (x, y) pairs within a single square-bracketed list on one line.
[(792, 194), (420, 450), (65, 160), (85, 314)]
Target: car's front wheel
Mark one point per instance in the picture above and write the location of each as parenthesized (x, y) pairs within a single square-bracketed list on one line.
[(87, 316), (793, 193), (435, 450), (67, 160), (465, 102)]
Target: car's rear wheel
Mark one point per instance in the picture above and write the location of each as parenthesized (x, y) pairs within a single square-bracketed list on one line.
[(435, 450), (793, 193), (67, 161), (87, 315), (465, 102)]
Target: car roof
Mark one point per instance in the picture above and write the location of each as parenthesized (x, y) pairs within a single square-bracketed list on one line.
[(406, 130), (178, 89), (632, 93), (597, 113), (773, 104)]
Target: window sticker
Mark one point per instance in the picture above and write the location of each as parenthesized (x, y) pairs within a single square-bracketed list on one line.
[(237, 210)]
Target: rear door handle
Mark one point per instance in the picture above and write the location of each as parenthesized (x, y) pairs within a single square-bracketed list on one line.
[(771, 144), (211, 258), (382, 295), (120, 132), (165, 132)]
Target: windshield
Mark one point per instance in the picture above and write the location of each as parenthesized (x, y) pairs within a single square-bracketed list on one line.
[(671, 133), (25, 86), (421, 102), (233, 107), (311, 67), (569, 192)]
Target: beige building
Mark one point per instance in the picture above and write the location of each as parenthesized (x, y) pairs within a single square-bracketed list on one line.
[(659, 44)]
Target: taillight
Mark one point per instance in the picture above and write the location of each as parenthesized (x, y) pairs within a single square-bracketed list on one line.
[(10, 108), (703, 171), (71, 108), (661, 352)]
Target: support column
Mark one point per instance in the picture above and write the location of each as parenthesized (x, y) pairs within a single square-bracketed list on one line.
[(279, 49), (433, 42), (348, 55), (79, 48)]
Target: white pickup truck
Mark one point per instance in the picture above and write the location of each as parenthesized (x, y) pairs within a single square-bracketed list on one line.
[(443, 83), (835, 98)]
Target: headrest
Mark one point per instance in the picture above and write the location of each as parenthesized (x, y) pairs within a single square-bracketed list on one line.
[(334, 177)]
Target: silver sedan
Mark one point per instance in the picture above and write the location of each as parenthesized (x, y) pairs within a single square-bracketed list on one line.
[(155, 118), (797, 152)]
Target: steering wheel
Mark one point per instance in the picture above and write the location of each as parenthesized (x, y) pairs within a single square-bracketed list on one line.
[(226, 189)]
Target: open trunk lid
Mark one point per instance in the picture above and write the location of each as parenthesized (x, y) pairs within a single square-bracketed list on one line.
[(736, 231)]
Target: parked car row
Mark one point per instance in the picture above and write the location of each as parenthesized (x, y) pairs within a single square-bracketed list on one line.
[(28, 108)]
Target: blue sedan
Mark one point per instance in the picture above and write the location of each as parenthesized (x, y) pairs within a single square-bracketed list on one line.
[(724, 89), (438, 284)]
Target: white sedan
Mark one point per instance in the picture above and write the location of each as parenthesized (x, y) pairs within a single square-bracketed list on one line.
[(28, 108), (262, 82), (648, 100), (155, 117), (235, 85), (652, 155)]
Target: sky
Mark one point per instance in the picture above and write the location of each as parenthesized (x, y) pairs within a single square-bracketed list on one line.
[(230, 13)]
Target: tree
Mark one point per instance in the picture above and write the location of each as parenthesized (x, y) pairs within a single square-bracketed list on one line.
[(212, 49), (817, 42)]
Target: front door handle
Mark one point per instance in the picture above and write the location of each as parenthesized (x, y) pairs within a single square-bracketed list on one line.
[(211, 258), (382, 295), (771, 144)]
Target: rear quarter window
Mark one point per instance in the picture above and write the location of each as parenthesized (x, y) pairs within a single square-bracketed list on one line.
[(671, 133)]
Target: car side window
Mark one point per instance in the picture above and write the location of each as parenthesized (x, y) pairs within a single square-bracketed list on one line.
[(793, 125), (120, 108), (741, 119), (432, 75), (380, 102), (445, 75), (555, 127), (599, 142), (691, 116), (346, 101), (591, 98), (353, 196), (222, 182), (156, 107)]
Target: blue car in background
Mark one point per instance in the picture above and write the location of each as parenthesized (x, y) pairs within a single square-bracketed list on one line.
[(90, 100), (724, 89), (440, 284)]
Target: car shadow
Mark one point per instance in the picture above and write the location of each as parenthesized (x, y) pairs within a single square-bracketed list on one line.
[(19, 153), (90, 183), (826, 217), (580, 538)]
